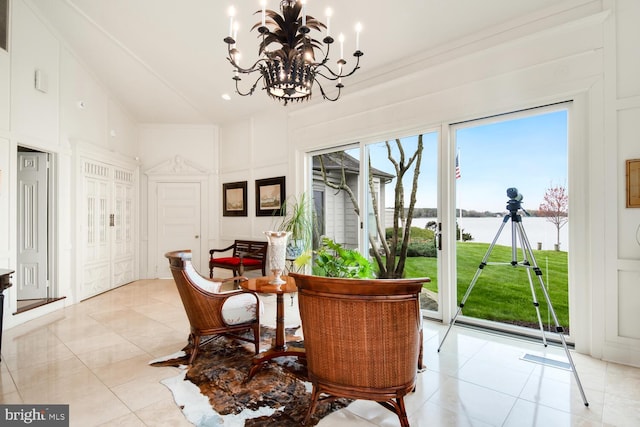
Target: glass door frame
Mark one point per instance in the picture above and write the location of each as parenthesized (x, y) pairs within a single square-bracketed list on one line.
[(363, 189), (451, 306)]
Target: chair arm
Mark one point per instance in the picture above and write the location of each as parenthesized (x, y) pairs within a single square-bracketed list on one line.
[(232, 279), (252, 254), (211, 251)]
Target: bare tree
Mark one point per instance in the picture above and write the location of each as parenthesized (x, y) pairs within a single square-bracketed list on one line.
[(390, 259), (555, 207)]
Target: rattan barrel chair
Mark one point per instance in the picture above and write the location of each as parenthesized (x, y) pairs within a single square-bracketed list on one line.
[(362, 338), (211, 311)]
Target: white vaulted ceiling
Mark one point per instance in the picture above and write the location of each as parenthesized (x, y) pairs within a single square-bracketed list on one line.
[(165, 60)]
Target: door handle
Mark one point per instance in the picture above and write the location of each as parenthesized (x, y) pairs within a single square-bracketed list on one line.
[(197, 236)]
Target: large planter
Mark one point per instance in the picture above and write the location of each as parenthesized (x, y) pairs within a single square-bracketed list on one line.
[(295, 248)]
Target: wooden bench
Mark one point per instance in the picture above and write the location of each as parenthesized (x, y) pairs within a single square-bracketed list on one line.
[(247, 255)]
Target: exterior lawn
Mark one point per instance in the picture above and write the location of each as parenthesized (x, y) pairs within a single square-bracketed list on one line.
[(502, 292)]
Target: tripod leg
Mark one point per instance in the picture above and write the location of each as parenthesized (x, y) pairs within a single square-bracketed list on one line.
[(525, 246), (483, 263), (559, 329)]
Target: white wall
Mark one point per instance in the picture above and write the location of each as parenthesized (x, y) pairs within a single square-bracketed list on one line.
[(51, 120), (621, 293), (251, 149), (4, 90), (34, 113), (196, 145)]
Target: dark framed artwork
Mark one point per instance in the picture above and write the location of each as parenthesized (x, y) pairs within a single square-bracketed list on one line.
[(4, 24), (270, 195), (234, 199), (633, 183)]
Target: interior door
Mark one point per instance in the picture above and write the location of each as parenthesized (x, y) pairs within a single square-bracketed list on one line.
[(122, 251), (96, 268), (32, 277), (178, 222)]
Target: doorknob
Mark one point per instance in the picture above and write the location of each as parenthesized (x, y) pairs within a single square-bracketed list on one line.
[(197, 236)]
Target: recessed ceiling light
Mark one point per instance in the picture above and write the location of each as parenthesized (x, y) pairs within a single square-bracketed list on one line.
[(226, 97)]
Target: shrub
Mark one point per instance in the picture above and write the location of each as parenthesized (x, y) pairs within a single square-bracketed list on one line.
[(422, 249), (417, 234)]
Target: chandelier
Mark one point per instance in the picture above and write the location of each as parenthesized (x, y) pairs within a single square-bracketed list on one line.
[(287, 53)]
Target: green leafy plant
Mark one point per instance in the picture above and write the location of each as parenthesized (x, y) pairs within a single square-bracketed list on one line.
[(332, 260), (298, 220)]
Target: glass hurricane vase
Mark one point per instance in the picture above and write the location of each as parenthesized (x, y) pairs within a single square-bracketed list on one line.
[(276, 254)]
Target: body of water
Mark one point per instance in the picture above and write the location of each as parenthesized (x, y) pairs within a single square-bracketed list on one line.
[(484, 230)]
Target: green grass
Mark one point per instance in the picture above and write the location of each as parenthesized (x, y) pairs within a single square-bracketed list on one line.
[(502, 292)]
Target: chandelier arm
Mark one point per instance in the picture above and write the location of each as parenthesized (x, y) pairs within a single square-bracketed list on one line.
[(252, 69), (330, 78), (325, 59), (324, 94), (334, 76), (250, 92)]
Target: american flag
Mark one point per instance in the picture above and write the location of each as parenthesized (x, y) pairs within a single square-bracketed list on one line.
[(458, 174)]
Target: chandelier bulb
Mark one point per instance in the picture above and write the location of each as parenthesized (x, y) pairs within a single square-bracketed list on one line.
[(232, 13)]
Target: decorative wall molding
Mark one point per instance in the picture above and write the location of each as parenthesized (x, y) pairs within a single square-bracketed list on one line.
[(177, 166)]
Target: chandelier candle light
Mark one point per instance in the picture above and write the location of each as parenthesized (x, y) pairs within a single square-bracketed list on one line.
[(289, 71), (277, 254)]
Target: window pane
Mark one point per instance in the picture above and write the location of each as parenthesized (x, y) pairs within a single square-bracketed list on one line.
[(527, 153), (335, 215), (388, 159)]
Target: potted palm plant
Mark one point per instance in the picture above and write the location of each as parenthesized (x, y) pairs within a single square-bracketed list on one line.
[(299, 222)]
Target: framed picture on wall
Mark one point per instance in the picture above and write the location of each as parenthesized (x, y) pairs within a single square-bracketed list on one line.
[(270, 195), (633, 183), (234, 199)]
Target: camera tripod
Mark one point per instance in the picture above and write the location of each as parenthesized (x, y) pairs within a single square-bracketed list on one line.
[(529, 262)]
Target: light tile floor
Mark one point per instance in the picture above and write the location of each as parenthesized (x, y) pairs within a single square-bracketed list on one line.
[(93, 356)]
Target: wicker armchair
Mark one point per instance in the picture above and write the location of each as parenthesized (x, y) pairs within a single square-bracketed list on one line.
[(362, 338), (210, 311)]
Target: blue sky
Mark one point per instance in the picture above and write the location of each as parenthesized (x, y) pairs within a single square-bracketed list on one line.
[(528, 153)]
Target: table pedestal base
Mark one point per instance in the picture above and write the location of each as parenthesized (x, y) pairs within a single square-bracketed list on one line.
[(279, 346), (273, 353)]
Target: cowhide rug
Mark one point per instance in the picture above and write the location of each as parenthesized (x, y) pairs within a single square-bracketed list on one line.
[(215, 392)]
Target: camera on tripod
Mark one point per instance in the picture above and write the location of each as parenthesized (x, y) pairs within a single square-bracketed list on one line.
[(515, 199)]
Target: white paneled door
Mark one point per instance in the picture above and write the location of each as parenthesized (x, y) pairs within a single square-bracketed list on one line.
[(33, 187), (178, 222), (108, 230)]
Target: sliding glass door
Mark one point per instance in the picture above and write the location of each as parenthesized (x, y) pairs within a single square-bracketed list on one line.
[(511, 192), (381, 198), (456, 195)]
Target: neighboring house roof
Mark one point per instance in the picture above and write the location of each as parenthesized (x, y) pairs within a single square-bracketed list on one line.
[(335, 161)]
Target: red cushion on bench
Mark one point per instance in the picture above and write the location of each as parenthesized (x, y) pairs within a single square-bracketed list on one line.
[(235, 261)]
